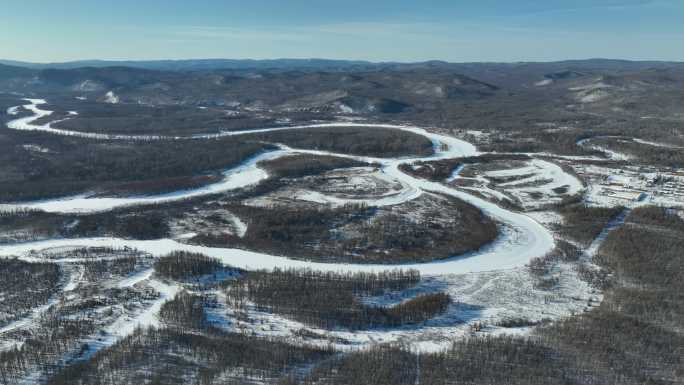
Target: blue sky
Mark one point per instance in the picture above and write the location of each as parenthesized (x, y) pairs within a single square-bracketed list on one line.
[(377, 30)]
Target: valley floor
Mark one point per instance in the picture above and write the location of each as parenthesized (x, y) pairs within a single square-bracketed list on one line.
[(530, 276)]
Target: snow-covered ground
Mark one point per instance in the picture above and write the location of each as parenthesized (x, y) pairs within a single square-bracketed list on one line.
[(535, 184), (514, 248), (613, 155), (111, 98), (149, 316), (631, 186), (490, 285), (521, 239), (487, 298), (36, 148), (655, 144), (69, 283), (541, 171), (239, 226), (612, 225), (118, 319), (455, 174), (392, 198)]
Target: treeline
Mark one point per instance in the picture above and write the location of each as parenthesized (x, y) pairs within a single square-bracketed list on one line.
[(536, 140), (648, 249), (25, 286), (43, 347), (405, 240), (181, 265), (28, 225), (101, 269), (565, 252), (583, 224), (365, 141), (76, 165), (301, 165), (656, 156), (148, 225), (292, 229), (159, 186), (93, 253), (439, 170), (657, 217), (436, 171), (168, 120), (185, 311), (172, 356), (613, 136), (485, 360), (330, 300), (377, 237), (633, 337)]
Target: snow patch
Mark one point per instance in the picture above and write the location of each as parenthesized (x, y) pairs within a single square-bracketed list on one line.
[(346, 109), (35, 148), (111, 97), (655, 144)]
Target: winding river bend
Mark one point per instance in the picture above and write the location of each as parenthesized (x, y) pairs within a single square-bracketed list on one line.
[(521, 239)]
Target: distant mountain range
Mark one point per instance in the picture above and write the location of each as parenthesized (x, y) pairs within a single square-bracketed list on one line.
[(318, 87), (320, 64), (201, 64)]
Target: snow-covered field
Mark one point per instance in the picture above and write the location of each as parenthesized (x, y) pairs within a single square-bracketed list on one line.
[(487, 298)]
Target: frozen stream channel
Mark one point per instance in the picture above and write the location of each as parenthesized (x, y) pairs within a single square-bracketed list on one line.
[(522, 238)]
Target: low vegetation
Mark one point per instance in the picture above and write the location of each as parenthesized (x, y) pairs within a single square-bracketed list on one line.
[(301, 165), (360, 234), (182, 266), (28, 225), (583, 224), (440, 170), (25, 286), (663, 157), (135, 119), (328, 300), (69, 165), (366, 141), (172, 356), (633, 337), (103, 269), (160, 186), (188, 347), (151, 225)]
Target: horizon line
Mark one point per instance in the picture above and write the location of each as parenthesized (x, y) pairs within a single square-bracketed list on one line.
[(74, 61)]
